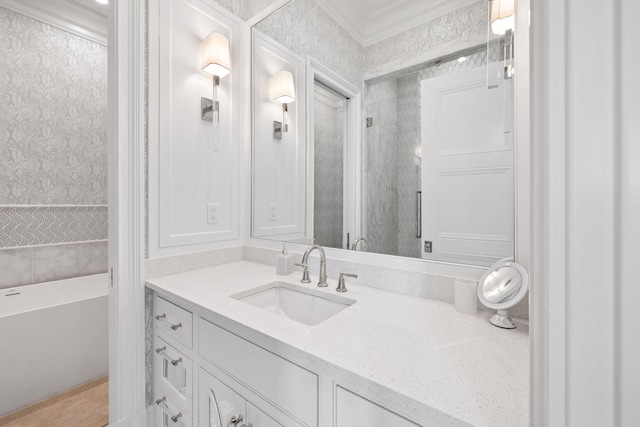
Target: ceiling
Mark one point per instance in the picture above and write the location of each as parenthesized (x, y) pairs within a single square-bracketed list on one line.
[(368, 21), (86, 18), (371, 21)]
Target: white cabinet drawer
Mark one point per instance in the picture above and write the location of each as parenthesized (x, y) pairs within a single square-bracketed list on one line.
[(288, 386), (163, 416), (172, 368), (353, 410), (174, 321)]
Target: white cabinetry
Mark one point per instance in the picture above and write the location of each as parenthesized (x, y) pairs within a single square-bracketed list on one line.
[(220, 406), (205, 375), (353, 410)]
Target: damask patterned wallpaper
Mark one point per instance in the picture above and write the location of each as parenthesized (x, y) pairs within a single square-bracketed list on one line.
[(53, 109), (467, 23), (53, 152), (305, 28), (243, 8)]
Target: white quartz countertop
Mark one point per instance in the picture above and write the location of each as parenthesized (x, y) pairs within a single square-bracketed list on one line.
[(445, 367)]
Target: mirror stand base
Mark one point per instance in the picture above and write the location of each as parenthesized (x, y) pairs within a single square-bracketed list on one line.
[(502, 320)]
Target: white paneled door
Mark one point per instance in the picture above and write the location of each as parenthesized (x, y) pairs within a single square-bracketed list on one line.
[(467, 169)]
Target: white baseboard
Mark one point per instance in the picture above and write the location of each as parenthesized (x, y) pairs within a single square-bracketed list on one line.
[(141, 419)]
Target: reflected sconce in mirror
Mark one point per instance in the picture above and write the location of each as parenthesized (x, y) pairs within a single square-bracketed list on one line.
[(217, 62), (501, 16), (283, 90), (500, 35)]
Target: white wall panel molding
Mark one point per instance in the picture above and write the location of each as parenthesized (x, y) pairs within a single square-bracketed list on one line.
[(186, 174), (587, 204), (279, 177)]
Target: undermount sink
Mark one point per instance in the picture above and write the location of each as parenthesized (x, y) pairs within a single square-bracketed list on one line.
[(303, 305)]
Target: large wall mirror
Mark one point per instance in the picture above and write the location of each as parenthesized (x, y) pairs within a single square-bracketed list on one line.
[(387, 128)]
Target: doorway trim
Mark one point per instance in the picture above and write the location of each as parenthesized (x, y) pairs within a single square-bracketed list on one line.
[(126, 133), (352, 171)]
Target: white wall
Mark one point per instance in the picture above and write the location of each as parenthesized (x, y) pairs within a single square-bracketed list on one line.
[(279, 177), (186, 173), (586, 210)]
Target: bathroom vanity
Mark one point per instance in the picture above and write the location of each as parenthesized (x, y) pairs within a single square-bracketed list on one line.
[(385, 359)]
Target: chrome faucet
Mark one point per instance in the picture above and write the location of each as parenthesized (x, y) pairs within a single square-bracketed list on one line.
[(358, 240), (322, 281)]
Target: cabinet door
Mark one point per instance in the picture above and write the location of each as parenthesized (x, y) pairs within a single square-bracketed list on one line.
[(259, 418), (219, 404), (353, 410)]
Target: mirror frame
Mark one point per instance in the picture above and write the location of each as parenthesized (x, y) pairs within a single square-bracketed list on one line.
[(523, 181)]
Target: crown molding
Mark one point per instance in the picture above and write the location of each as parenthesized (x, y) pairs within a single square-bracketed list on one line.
[(80, 18), (368, 27)]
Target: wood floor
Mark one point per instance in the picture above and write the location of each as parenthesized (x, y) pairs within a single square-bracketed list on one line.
[(84, 406)]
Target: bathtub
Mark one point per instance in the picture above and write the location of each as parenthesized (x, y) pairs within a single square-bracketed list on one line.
[(53, 336)]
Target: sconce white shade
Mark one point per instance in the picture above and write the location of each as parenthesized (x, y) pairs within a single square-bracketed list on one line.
[(217, 60), (282, 87), (502, 18)]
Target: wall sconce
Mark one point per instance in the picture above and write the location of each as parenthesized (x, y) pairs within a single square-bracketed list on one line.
[(217, 62), (283, 90), (500, 35)]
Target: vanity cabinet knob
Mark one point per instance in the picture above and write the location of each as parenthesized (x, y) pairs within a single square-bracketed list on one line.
[(161, 316), (174, 327), (235, 420), (176, 417), (161, 400)]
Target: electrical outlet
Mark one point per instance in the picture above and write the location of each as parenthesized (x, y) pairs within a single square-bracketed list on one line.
[(273, 212), (212, 214), (428, 246)]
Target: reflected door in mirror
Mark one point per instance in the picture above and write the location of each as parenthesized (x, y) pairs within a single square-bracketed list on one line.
[(467, 169)]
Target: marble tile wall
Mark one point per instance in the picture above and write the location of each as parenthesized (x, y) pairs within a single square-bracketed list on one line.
[(408, 177), (328, 174), (53, 153), (26, 266), (380, 169)]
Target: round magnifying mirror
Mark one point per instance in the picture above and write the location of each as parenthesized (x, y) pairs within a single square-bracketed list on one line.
[(501, 287)]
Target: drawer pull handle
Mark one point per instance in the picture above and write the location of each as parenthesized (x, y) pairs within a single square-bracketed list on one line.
[(235, 420), (163, 317), (162, 401), (163, 351)]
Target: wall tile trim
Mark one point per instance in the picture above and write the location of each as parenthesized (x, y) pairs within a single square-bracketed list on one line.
[(39, 225)]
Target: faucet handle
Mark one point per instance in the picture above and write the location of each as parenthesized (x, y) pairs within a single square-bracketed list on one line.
[(341, 285), (305, 273)]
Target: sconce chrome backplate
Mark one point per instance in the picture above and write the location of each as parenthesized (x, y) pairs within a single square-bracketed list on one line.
[(208, 107), (277, 130)]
